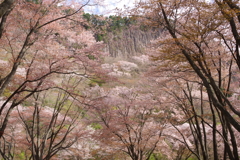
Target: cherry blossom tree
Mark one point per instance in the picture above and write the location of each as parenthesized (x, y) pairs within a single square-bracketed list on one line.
[(127, 120), (41, 42), (39, 131), (46, 55), (196, 64)]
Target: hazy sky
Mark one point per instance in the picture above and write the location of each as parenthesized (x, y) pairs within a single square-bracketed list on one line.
[(107, 8)]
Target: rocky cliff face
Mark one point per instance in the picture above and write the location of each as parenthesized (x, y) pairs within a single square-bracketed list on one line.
[(130, 41)]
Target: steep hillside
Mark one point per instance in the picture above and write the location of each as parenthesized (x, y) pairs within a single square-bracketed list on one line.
[(130, 41), (123, 36)]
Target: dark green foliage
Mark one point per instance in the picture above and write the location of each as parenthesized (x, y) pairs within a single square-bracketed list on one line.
[(103, 25), (97, 22), (86, 26), (96, 81), (92, 57), (87, 16), (117, 22), (100, 37), (94, 20), (35, 1)]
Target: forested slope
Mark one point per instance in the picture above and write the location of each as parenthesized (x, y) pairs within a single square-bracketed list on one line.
[(80, 86), (123, 36)]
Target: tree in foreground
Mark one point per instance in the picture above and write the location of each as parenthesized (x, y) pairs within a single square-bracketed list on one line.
[(128, 123), (44, 50), (42, 132), (199, 53)]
